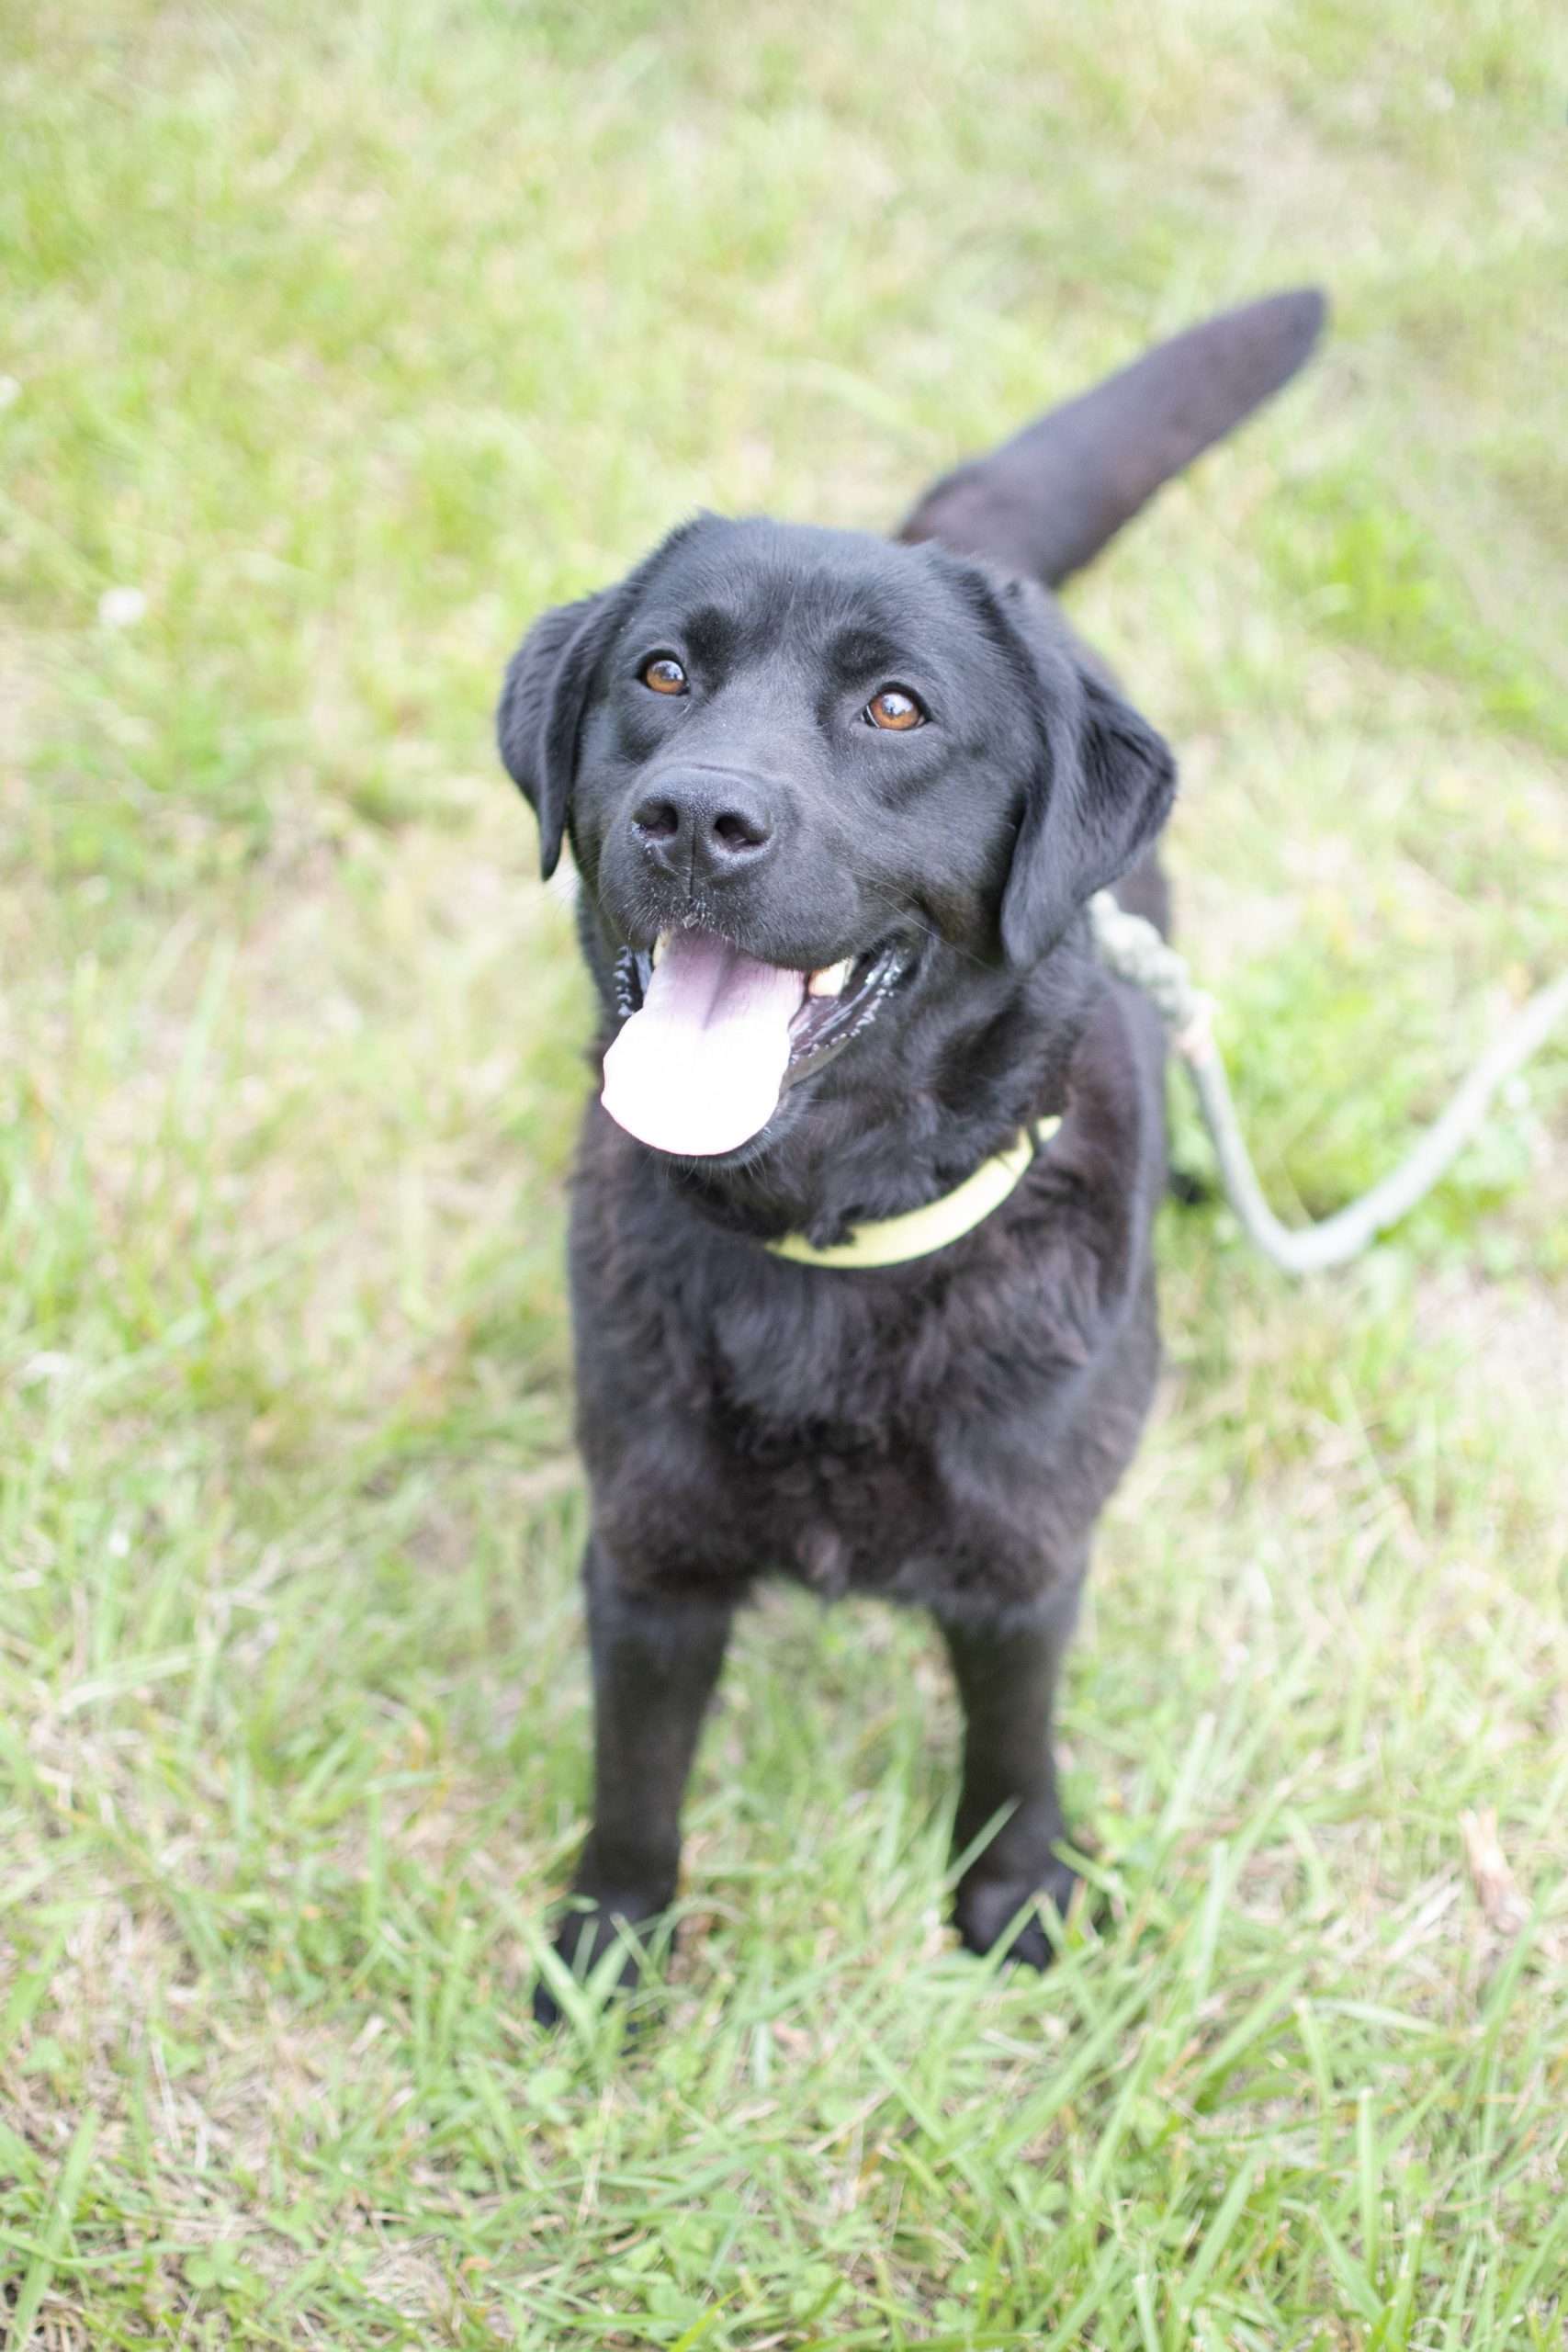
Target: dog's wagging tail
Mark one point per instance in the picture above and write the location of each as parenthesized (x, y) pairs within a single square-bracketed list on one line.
[(838, 804), (1045, 503)]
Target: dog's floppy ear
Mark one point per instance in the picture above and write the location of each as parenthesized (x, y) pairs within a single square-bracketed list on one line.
[(540, 711), (1100, 792)]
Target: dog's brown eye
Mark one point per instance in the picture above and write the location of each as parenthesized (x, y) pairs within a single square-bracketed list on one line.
[(893, 707), (665, 674)]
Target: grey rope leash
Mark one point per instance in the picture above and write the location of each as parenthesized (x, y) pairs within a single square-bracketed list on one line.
[(1134, 950)]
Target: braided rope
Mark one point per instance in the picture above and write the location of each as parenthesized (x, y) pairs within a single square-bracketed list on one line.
[(1134, 950)]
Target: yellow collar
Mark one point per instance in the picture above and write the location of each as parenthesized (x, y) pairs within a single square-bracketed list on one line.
[(892, 1239)]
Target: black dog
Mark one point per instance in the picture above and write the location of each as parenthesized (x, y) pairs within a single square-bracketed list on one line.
[(837, 805)]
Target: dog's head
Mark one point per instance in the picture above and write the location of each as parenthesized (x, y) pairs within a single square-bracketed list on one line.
[(810, 777)]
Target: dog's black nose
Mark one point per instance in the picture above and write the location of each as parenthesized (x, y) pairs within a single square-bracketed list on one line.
[(705, 827)]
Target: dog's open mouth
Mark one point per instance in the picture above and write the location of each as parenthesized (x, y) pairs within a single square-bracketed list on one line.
[(712, 1036)]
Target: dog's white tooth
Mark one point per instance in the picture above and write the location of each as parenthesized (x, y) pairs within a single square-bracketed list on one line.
[(830, 980), (660, 945)]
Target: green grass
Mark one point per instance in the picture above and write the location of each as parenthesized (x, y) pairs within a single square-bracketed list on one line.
[(350, 337)]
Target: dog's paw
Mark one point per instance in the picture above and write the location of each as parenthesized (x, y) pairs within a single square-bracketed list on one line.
[(589, 1930), (988, 1907)]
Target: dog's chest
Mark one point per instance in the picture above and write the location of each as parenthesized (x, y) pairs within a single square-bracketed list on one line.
[(741, 1419)]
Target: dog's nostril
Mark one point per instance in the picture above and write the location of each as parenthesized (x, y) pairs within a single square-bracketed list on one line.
[(677, 824), (658, 819), (737, 831)]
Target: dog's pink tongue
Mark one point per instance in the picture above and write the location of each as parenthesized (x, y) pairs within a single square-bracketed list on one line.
[(698, 1070)]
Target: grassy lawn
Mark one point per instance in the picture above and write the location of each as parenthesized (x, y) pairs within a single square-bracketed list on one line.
[(347, 338)]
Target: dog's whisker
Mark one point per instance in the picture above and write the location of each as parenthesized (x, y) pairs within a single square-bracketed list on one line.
[(904, 910)]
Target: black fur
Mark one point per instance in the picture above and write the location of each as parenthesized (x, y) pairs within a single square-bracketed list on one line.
[(1049, 501), (944, 1432)]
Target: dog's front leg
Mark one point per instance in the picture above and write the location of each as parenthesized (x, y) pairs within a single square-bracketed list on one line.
[(656, 1659), (1006, 1661)]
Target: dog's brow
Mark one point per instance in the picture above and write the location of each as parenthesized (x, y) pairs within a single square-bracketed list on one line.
[(712, 634), (861, 649)]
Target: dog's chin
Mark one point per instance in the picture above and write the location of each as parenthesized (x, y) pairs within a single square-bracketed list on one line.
[(714, 1167), (720, 1178)]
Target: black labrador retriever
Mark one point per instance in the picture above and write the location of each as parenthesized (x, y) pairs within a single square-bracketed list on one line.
[(861, 1259)]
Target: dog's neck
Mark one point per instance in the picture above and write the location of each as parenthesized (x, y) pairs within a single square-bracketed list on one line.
[(972, 1062)]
